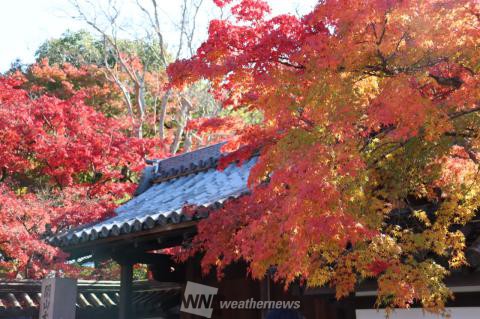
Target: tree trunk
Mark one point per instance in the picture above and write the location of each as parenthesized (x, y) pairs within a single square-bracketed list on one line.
[(188, 141), (162, 114), (140, 93), (182, 122)]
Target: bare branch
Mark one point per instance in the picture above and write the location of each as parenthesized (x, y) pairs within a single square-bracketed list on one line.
[(155, 24), (182, 29), (190, 36)]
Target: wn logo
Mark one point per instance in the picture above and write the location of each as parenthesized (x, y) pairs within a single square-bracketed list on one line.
[(198, 299)]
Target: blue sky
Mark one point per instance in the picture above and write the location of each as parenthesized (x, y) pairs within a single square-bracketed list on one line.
[(25, 24)]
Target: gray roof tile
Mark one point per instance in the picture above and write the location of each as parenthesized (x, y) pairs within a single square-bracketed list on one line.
[(163, 203), (180, 165)]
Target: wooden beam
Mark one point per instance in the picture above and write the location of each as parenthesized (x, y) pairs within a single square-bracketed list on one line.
[(141, 258), (118, 252), (463, 280), (126, 284), (147, 245), (165, 232)]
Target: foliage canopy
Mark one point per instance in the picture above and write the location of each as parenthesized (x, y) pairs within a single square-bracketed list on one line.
[(370, 108)]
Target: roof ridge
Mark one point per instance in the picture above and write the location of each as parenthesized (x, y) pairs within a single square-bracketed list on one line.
[(198, 150), (181, 171), (180, 165)]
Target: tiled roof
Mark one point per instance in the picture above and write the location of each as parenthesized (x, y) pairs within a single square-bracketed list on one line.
[(95, 299), (181, 165), (202, 186)]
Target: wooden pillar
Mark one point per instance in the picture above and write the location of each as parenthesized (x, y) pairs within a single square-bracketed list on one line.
[(346, 307), (265, 293), (126, 284)]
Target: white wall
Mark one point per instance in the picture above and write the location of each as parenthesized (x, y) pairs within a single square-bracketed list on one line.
[(455, 313)]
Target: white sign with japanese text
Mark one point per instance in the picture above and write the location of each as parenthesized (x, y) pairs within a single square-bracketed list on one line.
[(59, 296)]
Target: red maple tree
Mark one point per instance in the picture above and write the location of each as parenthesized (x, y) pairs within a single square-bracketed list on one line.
[(369, 108), (62, 164)]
